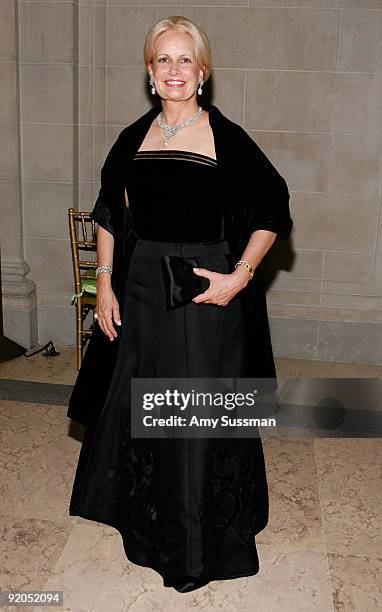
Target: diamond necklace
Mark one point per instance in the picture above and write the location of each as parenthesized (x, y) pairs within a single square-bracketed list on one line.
[(170, 131)]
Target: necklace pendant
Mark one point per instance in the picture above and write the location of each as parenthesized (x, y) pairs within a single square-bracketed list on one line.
[(170, 131)]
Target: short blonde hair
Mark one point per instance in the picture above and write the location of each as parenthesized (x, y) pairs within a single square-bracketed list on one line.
[(178, 23)]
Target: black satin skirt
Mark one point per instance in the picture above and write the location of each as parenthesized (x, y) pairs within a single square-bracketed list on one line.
[(187, 508)]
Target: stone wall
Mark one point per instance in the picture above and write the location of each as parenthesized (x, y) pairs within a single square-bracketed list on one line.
[(304, 80)]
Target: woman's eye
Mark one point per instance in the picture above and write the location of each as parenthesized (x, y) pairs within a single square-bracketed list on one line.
[(164, 59)]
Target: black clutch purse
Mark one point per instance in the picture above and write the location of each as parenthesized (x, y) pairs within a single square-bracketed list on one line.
[(181, 282)]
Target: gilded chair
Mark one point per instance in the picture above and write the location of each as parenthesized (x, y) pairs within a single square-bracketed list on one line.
[(83, 240)]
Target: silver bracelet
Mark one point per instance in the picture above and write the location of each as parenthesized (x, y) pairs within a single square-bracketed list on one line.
[(103, 269)]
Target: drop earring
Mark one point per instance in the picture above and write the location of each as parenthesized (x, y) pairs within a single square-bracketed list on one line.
[(152, 85), (200, 87)]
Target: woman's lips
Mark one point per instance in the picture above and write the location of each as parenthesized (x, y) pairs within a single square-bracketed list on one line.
[(174, 85)]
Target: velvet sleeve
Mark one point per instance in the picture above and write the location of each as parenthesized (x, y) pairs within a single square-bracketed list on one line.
[(270, 208), (103, 210), (101, 213)]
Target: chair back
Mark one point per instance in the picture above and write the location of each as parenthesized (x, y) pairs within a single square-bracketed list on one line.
[(83, 242)]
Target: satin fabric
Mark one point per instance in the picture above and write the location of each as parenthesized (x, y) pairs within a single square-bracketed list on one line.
[(188, 508), (181, 284)]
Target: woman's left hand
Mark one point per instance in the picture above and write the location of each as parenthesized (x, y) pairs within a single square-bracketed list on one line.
[(223, 287)]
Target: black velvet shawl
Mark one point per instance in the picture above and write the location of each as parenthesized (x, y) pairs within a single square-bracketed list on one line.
[(255, 196), (254, 193)]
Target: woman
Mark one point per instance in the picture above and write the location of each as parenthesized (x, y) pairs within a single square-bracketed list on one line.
[(188, 508)]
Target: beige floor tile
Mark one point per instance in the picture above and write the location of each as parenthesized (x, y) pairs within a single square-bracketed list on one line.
[(356, 583), (295, 512), (353, 450), (38, 460), (350, 492), (29, 549)]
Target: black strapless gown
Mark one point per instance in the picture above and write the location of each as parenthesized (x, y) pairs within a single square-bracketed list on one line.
[(187, 508)]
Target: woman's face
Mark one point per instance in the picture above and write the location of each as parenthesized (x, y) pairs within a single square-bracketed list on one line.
[(174, 60)]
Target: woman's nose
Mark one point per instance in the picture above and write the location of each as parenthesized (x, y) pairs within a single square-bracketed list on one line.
[(174, 68)]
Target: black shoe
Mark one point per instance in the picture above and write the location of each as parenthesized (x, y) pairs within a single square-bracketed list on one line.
[(190, 584)]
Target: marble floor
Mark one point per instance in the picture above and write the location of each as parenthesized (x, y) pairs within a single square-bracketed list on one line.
[(321, 551)]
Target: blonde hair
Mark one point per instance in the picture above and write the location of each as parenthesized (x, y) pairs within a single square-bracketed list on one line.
[(178, 23)]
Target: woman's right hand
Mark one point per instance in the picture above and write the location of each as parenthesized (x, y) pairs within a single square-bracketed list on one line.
[(107, 306)]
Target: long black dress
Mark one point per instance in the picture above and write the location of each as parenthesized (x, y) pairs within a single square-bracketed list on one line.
[(188, 508)]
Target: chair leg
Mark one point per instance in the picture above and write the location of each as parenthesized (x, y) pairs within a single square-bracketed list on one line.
[(79, 329)]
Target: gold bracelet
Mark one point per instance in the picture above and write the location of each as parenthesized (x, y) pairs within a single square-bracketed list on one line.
[(247, 266)]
